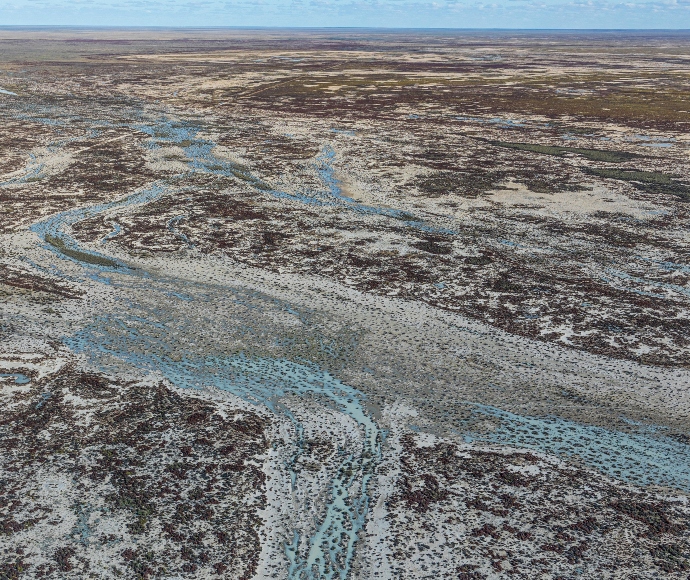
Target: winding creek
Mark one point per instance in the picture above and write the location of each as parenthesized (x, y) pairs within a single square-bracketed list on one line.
[(137, 342), (148, 344)]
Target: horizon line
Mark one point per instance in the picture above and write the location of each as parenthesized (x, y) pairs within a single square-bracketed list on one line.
[(380, 28)]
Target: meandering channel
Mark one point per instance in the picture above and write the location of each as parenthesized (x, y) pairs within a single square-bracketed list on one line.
[(140, 344)]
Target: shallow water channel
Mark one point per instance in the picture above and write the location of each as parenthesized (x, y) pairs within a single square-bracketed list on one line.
[(148, 343), (143, 343)]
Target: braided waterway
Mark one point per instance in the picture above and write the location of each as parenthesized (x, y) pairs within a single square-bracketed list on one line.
[(154, 337), (139, 339), (329, 550), (142, 345), (145, 343), (200, 158)]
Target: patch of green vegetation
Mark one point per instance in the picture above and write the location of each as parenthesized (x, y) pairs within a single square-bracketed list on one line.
[(262, 185), (591, 154), (649, 181), (633, 175), (243, 173), (140, 254), (33, 179), (585, 131), (478, 260), (433, 247), (78, 254), (504, 284), (470, 183)]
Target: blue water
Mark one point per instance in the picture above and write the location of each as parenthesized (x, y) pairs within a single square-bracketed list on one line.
[(56, 225), (117, 229), (138, 342), (33, 170), (172, 228), (334, 194), (648, 282), (642, 458), (201, 159), (264, 381), (19, 379)]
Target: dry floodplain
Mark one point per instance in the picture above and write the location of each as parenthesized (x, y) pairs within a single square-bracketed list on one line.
[(332, 304)]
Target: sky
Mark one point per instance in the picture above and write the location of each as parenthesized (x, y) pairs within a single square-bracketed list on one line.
[(552, 14)]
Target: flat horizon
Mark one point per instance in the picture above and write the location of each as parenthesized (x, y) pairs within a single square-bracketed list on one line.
[(386, 28)]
